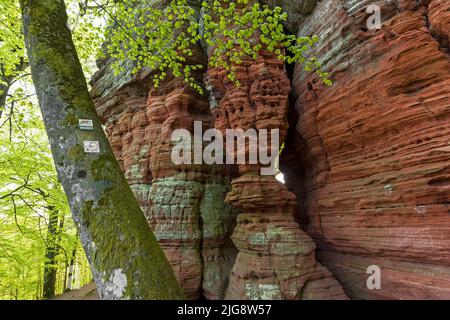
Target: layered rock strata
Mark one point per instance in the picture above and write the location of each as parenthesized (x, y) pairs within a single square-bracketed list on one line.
[(276, 259), (186, 202), (375, 146)]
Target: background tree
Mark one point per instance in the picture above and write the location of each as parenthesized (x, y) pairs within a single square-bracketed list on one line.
[(161, 35), (54, 228), (12, 59)]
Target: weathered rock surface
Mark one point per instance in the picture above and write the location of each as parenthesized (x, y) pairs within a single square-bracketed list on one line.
[(184, 204), (375, 146), (276, 259)]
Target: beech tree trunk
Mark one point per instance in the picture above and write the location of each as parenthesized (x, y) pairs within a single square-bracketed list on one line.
[(69, 276), (125, 258)]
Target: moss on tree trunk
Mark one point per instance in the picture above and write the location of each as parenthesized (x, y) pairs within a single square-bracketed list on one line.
[(123, 253)]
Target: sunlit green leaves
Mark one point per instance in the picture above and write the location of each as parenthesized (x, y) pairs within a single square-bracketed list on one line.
[(164, 38), (87, 22)]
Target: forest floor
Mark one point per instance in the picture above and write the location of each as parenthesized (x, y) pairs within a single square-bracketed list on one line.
[(88, 292)]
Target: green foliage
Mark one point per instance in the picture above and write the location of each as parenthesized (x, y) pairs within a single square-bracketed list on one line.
[(12, 51), (165, 37), (87, 32)]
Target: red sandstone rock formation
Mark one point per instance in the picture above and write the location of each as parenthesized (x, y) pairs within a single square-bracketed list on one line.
[(375, 146), (276, 259), (184, 204)]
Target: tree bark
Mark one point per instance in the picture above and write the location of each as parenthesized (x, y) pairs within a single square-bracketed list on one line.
[(53, 235), (4, 88), (125, 258)]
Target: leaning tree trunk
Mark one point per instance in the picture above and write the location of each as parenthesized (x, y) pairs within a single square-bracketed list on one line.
[(126, 260)]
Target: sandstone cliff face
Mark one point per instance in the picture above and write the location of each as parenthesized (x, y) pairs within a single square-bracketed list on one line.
[(276, 259), (366, 162), (375, 146), (184, 204)]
